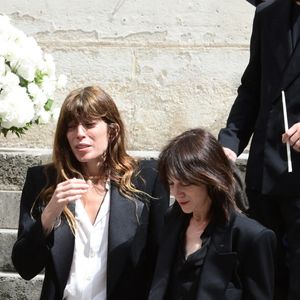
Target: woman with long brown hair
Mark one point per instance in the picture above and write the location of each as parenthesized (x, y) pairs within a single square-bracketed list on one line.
[(92, 216), (209, 250)]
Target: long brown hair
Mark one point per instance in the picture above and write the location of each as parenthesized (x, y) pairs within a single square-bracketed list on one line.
[(196, 157), (82, 106)]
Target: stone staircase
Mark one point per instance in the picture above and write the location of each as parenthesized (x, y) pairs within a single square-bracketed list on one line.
[(13, 166)]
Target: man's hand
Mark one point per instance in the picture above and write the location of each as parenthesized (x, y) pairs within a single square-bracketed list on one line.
[(292, 136), (230, 154)]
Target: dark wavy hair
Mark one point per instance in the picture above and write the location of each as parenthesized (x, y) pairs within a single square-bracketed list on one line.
[(195, 157), (83, 106)]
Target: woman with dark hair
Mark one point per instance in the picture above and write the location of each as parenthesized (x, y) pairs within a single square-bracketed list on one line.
[(92, 216), (209, 250)]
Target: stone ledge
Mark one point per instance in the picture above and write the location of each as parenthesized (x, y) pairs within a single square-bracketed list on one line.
[(9, 209), (13, 287), (14, 163), (7, 240)]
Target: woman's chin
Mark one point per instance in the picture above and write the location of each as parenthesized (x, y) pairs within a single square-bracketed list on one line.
[(185, 210)]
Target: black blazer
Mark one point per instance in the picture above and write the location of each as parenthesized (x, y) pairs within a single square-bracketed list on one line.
[(239, 263), (134, 227), (273, 66), (255, 2)]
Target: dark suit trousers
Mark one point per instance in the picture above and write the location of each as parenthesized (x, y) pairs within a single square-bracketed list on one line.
[(282, 215)]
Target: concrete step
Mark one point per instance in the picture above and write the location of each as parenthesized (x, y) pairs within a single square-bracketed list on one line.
[(14, 164), (9, 209), (7, 240), (13, 287)]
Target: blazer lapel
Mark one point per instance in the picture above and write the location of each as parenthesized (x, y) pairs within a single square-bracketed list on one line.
[(279, 33), (292, 70), (288, 58), (123, 223), (62, 253), (218, 266)]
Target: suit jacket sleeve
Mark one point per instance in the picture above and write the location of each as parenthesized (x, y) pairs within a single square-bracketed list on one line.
[(31, 249), (242, 117), (258, 267), (255, 2), (158, 204)]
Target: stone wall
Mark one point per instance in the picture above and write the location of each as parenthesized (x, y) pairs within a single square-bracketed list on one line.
[(170, 65)]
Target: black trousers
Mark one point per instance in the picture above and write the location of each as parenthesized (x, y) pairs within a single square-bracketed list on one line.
[(282, 215)]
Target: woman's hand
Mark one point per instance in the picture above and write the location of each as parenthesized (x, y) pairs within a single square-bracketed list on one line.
[(292, 136), (65, 192)]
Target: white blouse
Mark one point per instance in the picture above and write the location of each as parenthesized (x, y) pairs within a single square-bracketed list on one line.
[(87, 278)]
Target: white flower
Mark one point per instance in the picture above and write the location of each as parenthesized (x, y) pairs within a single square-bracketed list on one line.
[(26, 70), (9, 81), (38, 97), (16, 108), (48, 86), (27, 81), (44, 116)]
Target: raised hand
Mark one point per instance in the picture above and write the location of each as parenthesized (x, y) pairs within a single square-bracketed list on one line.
[(65, 192), (292, 136), (230, 154)]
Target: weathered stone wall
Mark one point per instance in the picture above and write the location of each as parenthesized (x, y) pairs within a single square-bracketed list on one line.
[(170, 65)]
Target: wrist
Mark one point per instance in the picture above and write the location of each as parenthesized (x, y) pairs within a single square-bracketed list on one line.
[(49, 221)]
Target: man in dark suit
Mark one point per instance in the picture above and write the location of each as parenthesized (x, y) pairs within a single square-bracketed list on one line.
[(255, 2), (273, 192)]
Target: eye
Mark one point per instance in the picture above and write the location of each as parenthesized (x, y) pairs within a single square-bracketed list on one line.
[(72, 125), (185, 184), (91, 124)]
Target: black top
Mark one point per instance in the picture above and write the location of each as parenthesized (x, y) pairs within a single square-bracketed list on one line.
[(295, 24), (186, 272)]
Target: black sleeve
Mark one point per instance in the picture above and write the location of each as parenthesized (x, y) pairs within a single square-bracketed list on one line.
[(158, 205), (30, 251), (158, 201), (255, 2), (258, 267), (242, 117)]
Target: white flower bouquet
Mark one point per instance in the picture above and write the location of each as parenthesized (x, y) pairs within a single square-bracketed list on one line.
[(27, 81)]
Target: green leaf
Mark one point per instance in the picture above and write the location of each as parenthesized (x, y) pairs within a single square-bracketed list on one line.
[(23, 82), (39, 75), (48, 105), (15, 130)]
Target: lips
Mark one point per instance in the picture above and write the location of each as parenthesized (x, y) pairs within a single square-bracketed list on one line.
[(82, 146), (183, 202)]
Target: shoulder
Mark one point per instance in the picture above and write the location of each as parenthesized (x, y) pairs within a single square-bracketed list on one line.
[(248, 230), (41, 174), (241, 221), (146, 171), (41, 170), (147, 165), (270, 6)]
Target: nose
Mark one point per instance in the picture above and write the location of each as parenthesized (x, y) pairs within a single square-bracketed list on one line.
[(176, 191), (80, 131)]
